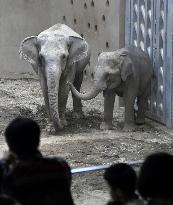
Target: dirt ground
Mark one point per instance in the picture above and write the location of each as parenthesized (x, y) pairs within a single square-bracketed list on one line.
[(82, 143)]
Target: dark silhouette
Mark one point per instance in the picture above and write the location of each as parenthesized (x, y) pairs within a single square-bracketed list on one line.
[(156, 179), (6, 200), (121, 179), (31, 178), (23, 137)]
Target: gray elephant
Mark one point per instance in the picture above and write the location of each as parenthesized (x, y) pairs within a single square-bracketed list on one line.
[(57, 55), (126, 72)]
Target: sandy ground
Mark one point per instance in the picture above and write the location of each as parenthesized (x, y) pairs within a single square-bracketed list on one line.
[(82, 143)]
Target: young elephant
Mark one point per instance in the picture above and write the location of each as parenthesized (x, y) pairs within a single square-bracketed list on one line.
[(126, 72)]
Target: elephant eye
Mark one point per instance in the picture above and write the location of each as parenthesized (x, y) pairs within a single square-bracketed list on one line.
[(63, 57), (41, 59), (92, 75), (85, 73), (107, 76)]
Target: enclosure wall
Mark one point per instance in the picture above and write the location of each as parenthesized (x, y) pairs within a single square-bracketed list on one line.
[(19, 19), (100, 21)]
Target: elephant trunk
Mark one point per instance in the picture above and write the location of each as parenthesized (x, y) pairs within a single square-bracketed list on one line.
[(53, 77), (87, 96)]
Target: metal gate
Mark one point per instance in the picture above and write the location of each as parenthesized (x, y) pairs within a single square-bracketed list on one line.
[(149, 25)]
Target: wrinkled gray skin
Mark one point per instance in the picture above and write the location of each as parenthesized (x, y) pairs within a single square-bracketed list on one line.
[(126, 72), (57, 55)]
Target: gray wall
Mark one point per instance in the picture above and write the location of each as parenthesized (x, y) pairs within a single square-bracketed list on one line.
[(100, 21), (19, 19), (22, 18)]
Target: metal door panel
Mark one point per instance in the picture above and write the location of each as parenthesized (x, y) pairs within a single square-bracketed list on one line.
[(149, 26)]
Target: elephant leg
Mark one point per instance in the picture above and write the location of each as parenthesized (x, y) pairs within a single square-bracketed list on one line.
[(129, 100), (63, 97), (77, 105), (142, 106), (109, 100), (43, 83)]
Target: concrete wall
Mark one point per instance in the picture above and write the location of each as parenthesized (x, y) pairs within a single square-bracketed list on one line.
[(100, 21), (19, 19)]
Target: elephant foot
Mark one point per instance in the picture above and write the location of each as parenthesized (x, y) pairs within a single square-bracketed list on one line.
[(129, 128), (64, 121), (50, 129), (140, 121), (54, 128), (78, 115), (106, 126)]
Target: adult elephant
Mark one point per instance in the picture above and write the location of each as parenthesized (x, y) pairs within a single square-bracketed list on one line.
[(126, 72), (57, 55)]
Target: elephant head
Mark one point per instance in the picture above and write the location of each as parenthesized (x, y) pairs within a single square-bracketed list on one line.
[(52, 54), (111, 71)]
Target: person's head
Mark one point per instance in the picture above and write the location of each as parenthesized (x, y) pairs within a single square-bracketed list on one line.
[(22, 136), (121, 179), (6, 200), (156, 176)]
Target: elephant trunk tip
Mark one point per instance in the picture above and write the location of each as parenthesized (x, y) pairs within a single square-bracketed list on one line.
[(68, 83), (86, 96)]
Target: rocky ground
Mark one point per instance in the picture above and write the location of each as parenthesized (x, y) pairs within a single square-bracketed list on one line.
[(82, 143)]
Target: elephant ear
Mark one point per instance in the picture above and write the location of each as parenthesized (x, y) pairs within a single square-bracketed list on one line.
[(78, 50), (29, 52), (126, 66)]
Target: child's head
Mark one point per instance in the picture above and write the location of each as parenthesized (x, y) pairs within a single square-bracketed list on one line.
[(7, 200), (22, 136), (156, 176), (121, 178)]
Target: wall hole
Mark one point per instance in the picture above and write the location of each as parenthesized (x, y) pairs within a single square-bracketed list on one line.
[(98, 53), (75, 21), (89, 25), (64, 18), (72, 2), (96, 27), (92, 3), (85, 5), (103, 18), (81, 35), (107, 44), (107, 3)]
